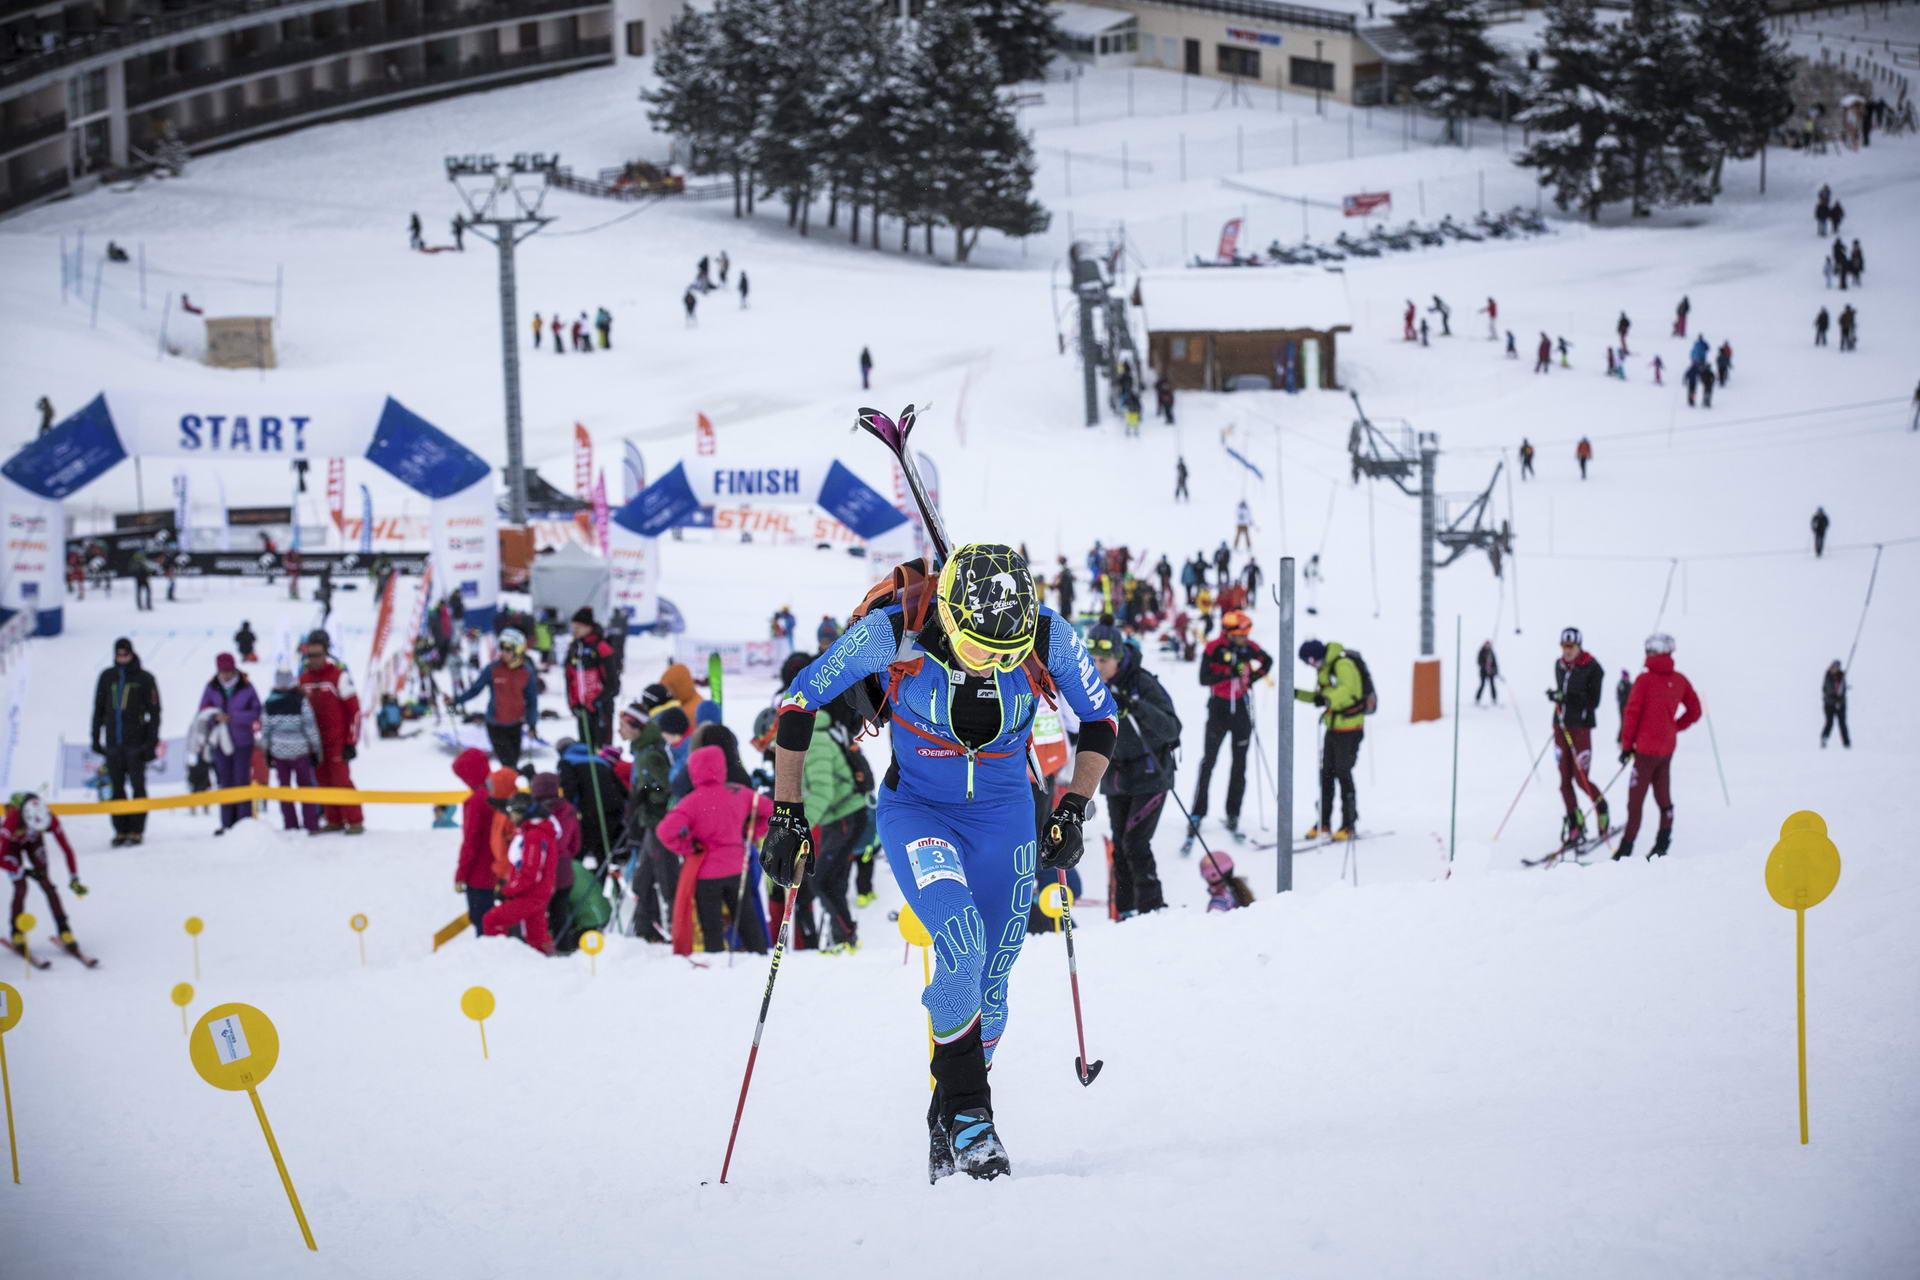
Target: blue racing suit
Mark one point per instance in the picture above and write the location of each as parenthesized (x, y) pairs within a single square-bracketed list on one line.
[(957, 823)]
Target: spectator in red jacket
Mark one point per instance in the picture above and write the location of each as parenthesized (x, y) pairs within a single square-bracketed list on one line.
[(1648, 734), (535, 855), (336, 709), (710, 829), (473, 875), (589, 662), (545, 787)]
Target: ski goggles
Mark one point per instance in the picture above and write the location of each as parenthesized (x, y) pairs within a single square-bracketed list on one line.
[(980, 656)]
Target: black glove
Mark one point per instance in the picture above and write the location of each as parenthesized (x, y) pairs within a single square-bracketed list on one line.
[(1319, 699), (1553, 695), (1060, 845), (99, 748), (789, 839), (1625, 756), (79, 890), (348, 752)]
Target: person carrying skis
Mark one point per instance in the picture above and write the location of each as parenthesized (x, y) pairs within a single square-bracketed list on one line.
[(1242, 527), (1833, 700), (1820, 524), (1229, 665), (1578, 679), (956, 812), (23, 855), (1489, 666), (513, 697), (1648, 734), (533, 857), (1137, 783), (336, 709), (126, 733), (1340, 690)]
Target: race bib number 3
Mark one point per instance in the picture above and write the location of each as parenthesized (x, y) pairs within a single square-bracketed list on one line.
[(934, 859)]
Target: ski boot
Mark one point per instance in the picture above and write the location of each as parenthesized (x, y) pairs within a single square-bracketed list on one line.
[(1344, 833), (939, 1147), (1232, 825), (1193, 833), (1573, 830), (1316, 832), (975, 1146), (865, 899), (1660, 843), (1625, 850), (1600, 816), (356, 829)]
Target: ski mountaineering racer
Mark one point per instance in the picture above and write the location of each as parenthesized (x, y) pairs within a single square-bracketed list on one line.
[(956, 808)]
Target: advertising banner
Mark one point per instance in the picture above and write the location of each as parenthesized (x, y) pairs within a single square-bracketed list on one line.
[(582, 463), (635, 582), (33, 562), (737, 657), (466, 549), (1229, 241), (336, 493)]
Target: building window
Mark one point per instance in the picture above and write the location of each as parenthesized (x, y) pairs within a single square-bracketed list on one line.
[(1237, 62), (1308, 74), (636, 39), (1179, 348)]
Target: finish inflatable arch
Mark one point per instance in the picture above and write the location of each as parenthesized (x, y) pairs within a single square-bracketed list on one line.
[(255, 425)]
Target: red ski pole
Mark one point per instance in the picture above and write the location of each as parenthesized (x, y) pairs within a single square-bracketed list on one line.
[(1080, 1066), (766, 1001), (1531, 770)]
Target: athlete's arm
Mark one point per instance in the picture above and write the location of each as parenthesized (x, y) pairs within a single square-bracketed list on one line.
[(863, 649), (1080, 684)]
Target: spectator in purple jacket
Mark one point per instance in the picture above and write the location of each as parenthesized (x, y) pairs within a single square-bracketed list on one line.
[(236, 707)]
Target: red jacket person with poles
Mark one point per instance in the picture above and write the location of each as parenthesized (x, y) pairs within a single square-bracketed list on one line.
[(1649, 732)]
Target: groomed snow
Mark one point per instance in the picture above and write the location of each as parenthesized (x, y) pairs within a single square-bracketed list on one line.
[(1497, 1072)]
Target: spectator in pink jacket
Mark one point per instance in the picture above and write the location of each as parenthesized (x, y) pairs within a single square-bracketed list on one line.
[(710, 829)]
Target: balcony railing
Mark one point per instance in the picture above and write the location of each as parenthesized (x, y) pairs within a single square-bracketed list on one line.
[(329, 101), (298, 52), (17, 138)]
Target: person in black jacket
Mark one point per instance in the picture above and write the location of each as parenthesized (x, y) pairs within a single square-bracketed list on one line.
[(1489, 672), (126, 733), (1833, 700), (1820, 523), (1578, 680), (590, 785), (1137, 782)]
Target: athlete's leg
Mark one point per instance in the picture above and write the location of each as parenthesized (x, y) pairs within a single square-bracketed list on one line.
[(924, 851)]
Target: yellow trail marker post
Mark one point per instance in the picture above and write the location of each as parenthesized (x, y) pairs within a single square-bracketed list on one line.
[(591, 942), (477, 1003), (10, 1011), (917, 936), (1801, 871), (235, 1047), (182, 995), (359, 923), (24, 922), (193, 927)]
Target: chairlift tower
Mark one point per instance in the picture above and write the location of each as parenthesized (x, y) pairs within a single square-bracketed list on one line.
[(1397, 453), (505, 209)]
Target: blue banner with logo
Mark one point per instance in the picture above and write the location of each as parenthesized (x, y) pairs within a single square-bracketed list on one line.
[(855, 504), (667, 502), (70, 456), (421, 455)]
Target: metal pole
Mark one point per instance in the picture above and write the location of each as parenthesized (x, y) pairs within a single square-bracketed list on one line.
[(93, 320), (1126, 174), (143, 275), (1317, 64), (1453, 813), (63, 267), (1429, 454), (279, 275), (510, 364), (1283, 739)]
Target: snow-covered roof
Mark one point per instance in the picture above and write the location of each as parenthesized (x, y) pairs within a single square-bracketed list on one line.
[(1088, 19), (1251, 299)]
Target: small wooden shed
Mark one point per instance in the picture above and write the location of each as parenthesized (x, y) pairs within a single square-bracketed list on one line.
[(1228, 328)]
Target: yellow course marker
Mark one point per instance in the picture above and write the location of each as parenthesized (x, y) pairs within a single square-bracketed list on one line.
[(182, 995), (591, 942), (193, 927), (477, 1003), (1801, 871), (1051, 907), (359, 923), (235, 1047), (10, 1011), (24, 922), (917, 936)]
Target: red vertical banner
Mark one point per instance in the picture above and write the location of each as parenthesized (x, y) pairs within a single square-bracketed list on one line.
[(1229, 241), (582, 463), (337, 492), (703, 440), (600, 512)]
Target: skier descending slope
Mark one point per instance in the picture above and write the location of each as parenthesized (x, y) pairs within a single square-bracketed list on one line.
[(956, 813)]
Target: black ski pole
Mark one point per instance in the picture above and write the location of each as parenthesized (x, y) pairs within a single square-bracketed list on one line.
[(1081, 1069), (766, 1002)]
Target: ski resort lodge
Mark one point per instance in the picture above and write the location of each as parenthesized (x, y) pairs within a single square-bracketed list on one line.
[(1245, 329)]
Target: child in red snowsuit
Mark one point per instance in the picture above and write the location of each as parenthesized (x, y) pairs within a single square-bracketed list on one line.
[(473, 875), (23, 855), (535, 857)]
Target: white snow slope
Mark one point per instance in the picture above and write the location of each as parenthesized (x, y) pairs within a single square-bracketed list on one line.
[(1437, 1071)]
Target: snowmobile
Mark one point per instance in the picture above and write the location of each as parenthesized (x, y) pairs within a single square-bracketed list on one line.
[(1357, 247)]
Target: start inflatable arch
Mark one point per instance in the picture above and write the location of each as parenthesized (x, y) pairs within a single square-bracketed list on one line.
[(251, 425)]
